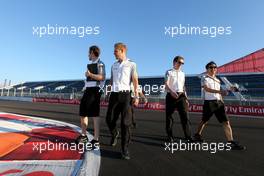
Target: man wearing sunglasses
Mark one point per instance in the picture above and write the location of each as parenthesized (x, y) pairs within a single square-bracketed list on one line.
[(176, 98), (214, 105)]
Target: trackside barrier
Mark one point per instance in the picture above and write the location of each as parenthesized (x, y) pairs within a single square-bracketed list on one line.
[(29, 99), (57, 100), (230, 109)]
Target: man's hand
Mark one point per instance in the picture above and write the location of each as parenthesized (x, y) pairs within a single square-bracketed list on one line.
[(234, 89), (145, 101), (174, 95), (224, 92), (135, 102), (187, 102), (87, 73)]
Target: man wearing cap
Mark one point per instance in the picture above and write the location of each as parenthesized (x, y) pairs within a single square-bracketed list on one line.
[(123, 72), (214, 105), (176, 98)]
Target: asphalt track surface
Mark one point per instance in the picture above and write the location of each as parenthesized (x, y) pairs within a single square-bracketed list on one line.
[(147, 149)]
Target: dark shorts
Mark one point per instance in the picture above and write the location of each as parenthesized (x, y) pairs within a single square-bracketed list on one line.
[(214, 107), (90, 102)]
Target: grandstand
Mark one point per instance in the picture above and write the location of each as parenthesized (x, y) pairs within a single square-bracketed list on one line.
[(251, 84)]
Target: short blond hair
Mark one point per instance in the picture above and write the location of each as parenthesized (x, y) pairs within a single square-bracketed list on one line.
[(121, 46)]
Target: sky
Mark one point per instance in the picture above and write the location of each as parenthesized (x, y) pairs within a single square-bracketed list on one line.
[(150, 29)]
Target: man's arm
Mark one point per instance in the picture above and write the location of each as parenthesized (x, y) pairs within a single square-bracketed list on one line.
[(98, 77), (174, 94), (207, 89), (166, 82), (111, 78), (135, 84)]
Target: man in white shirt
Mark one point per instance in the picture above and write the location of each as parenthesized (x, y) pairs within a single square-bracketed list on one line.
[(90, 102), (123, 72), (214, 105), (176, 98)]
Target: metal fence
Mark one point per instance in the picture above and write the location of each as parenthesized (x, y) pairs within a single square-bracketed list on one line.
[(229, 100)]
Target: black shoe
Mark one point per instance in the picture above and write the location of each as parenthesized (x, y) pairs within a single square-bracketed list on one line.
[(114, 139), (95, 144), (198, 138), (81, 139), (134, 125), (125, 155), (170, 139), (189, 140), (236, 146)]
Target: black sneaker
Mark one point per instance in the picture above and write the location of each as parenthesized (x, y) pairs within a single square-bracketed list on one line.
[(170, 139), (236, 146), (134, 125), (95, 144), (114, 139), (125, 155), (189, 139), (81, 139), (197, 138)]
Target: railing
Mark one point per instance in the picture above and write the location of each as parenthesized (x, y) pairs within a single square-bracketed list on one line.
[(251, 101)]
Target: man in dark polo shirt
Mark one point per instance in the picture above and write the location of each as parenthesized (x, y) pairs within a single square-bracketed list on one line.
[(90, 102)]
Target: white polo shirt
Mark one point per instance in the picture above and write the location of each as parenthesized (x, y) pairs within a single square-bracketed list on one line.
[(212, 83), (175, 79), (121, 74)]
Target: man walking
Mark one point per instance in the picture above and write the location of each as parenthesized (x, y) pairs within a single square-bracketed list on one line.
[(214, 105), (176, 98), (123, 72), (90, 102)]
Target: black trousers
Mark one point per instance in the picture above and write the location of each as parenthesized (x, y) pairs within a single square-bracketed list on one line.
[(182, 107), (119, 103)]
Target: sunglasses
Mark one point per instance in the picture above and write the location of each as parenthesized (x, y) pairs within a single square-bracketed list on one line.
[(212, 67), (182, 63)]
